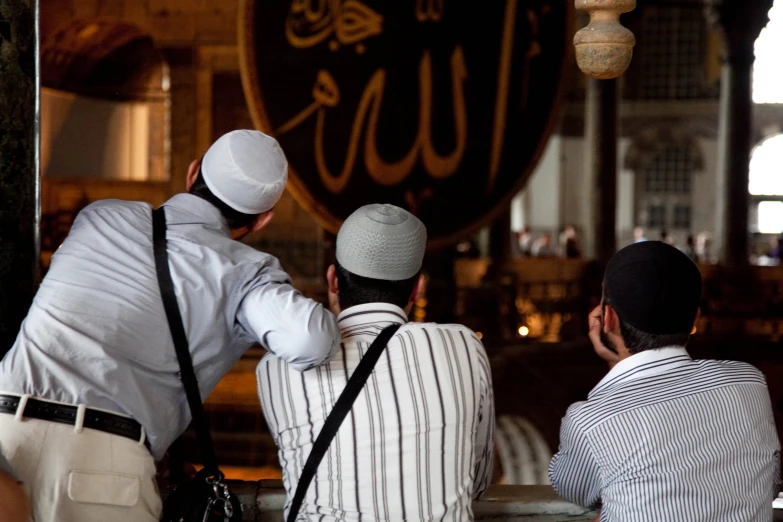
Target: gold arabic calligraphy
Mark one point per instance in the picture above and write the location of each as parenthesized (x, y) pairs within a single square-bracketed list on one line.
[(311, 22), (429, 10), (350, 21)]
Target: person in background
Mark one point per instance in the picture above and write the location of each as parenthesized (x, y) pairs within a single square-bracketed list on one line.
[(662, 436), (92, 394), (690, 248), (543, 247), (638, 235), (571, 249), (704, 248), (666, 238), (417, 444), (776, 250), (525, 242)]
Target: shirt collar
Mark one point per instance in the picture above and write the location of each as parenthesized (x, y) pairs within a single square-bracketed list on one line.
[(371, 313), (644, 364), (193, 209)]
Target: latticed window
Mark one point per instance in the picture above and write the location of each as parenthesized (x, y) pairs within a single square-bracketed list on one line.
[(665, 186), (670, 171), (682, 217), (671, 51), (656, 216)]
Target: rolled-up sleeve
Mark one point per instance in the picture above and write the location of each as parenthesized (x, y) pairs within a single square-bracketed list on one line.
[(573, 472), (296, 329)]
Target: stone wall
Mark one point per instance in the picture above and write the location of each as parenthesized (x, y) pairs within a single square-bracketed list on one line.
[(198, 40)]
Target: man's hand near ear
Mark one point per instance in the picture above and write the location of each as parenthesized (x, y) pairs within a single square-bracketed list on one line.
[(596, 325)]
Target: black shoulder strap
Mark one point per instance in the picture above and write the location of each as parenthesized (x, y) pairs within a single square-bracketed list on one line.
[(188, 375), (337, 416)]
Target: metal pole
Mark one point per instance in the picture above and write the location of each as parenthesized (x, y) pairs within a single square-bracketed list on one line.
[(601, 122)]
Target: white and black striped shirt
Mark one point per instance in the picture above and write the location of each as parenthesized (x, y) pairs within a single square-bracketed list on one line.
[(417, 444), (664, 437)]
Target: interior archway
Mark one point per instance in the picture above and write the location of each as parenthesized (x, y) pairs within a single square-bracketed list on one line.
[(104, 120), (767, 73), (766, 186)]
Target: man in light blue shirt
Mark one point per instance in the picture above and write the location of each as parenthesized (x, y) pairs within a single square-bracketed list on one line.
[(93, 376)]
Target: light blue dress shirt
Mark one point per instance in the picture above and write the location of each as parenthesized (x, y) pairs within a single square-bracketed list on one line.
[(97, 334)]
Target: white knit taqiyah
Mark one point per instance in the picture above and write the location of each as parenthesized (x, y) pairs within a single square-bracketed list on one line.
[(247, 170), (382, 242)]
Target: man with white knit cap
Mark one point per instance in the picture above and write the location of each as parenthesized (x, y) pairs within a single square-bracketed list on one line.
[(90, 392), (417, 444)]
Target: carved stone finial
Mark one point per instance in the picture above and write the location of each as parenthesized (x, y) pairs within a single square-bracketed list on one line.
[(604, 47)]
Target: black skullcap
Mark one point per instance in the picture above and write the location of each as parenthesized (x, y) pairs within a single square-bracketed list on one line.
[(653, 287)]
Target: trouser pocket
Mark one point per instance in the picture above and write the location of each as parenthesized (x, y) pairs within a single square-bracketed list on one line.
[(113, 489)]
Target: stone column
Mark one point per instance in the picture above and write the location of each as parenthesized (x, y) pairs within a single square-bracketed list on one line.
[(739, 22), (19, 172), (182, 115), (601, 122), (500, 237)]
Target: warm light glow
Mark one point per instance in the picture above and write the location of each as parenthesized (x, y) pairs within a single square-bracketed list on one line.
[(479, 335), (771, 217), (524, 331), (766, 167), (767, 72)]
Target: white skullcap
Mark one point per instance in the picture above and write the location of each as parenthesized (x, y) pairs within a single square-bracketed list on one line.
[(382, 242), (246, 170)]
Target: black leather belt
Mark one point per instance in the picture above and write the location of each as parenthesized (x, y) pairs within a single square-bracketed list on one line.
[(64, 414)]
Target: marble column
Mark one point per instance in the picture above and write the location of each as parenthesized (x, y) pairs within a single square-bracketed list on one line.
[(739, 22), (601, 123), (19, 156)]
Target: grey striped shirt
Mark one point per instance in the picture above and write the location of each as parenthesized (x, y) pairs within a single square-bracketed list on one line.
[(418, 442), (664, 437)]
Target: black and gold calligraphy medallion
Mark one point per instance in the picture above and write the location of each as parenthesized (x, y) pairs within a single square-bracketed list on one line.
[(439, 106)]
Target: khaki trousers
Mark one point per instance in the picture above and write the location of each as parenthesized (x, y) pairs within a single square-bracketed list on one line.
[(80, 475)]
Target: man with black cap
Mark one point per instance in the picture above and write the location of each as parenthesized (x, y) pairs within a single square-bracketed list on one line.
[(663, 437), (91, 392), (417, 443)]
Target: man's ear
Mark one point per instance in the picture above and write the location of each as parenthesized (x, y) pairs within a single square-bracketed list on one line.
[(331, 279), (695, 320), (611, 321), (261, 221), (193, 170), (418, 288)]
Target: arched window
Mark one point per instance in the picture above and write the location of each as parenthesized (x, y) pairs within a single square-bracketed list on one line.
[(767, 73), (766, 168), (766, 184)]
